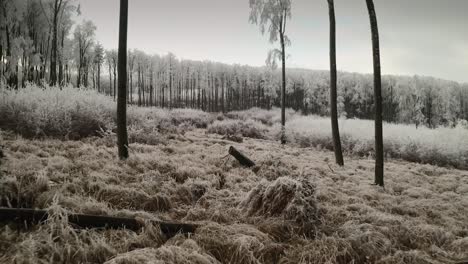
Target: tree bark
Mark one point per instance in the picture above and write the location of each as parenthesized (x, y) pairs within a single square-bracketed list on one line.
[(110, 78), (115, 74), (379, 151), (53, 59), (333, 88), (60, 75), (283, 90), (243, 160), (122, 137)]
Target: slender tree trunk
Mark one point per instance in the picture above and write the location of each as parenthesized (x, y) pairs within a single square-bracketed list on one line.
[(99, 77), (131, 86), (11, 79), (151, 89), (222, 94), (1, 63), (170, 88), (122, 138), (333, 92), (115, 77), (379, 151), (53, 59), (283, 90), (110, 79), (139, 85), (61, 59)]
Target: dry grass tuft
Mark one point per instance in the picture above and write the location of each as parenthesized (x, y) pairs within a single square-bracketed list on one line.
[(235, 128), (244, 217), (287, 198), (325, 250), (407, 257), (238, 244), (185, 252), (130, 198)]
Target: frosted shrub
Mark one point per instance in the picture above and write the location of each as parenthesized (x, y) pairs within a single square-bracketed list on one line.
[(69, 112), (266, 117), (249, 128), (77, 113), (441, 146), (293, 200)]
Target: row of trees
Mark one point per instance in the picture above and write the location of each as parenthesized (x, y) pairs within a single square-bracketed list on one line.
[(36, 45), (165, 81), (272, 16), (26, 46)]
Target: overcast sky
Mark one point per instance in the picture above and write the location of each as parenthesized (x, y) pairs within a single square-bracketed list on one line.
[(424, 37)]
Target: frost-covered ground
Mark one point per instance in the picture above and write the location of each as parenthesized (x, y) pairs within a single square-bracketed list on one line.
[(298, 208), (73, 113)]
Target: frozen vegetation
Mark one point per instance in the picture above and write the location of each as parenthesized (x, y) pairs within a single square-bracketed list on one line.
[(72, 113), (297, 208)]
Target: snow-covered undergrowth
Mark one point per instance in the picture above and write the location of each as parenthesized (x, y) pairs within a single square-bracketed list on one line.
[(297, 208), (441, 146), (71, 113)]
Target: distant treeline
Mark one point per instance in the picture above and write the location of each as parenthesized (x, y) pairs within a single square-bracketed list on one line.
[(29, 29)]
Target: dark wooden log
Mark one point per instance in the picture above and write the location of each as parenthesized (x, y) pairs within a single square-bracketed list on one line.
[(243, 160), (33, 216)]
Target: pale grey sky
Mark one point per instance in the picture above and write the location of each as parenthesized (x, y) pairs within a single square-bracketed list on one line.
[(424, 37)]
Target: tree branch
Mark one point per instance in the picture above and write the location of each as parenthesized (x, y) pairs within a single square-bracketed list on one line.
[(45, 14)]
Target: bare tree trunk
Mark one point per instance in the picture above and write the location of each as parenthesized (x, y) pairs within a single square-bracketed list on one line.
[(283, 90), (333, 92), (99, 77), (115, 77), (151, 88), (60, 77), (122, 137), (170, 87), (53, 59), (379, 151), (110, 79)]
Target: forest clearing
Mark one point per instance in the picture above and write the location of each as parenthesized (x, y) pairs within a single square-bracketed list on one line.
[(299, 207), (347, 143)]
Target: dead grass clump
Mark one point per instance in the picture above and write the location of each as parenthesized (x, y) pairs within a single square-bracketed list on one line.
[(371, 246), (186, 252), (407, 257), (180, 175), (424, 236), (366, 240), (129, 198), (279, 230), (326, 250), (22, 191), (238, 244), (249, 128), (274, 168), (417, 192), (287, 198), (145, 136), (459, 247)]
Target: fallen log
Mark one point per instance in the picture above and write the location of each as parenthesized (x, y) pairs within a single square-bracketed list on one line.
[(243, 160), (33, 216)]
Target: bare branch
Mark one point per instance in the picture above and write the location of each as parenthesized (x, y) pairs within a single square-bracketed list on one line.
[(45, 14)]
